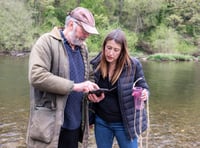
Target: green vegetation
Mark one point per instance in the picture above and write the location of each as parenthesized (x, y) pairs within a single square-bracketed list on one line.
[(170, 57), (152, 27), (16, 26), (167, 40)]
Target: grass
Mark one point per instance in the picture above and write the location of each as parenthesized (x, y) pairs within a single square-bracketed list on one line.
[(171, 57)]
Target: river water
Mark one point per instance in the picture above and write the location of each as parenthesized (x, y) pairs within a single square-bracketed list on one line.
[(174, 103)]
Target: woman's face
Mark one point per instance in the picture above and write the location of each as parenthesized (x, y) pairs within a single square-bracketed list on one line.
[(112, 51)]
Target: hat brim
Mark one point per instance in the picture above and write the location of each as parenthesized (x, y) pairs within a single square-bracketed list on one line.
[(89, 29)]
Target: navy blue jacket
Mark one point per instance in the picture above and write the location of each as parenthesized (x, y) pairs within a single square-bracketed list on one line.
[(126, 100)]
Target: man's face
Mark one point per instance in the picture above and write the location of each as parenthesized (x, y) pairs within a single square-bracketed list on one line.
[(78, 35)]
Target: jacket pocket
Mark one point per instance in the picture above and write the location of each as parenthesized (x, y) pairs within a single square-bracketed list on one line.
[(42, 125)]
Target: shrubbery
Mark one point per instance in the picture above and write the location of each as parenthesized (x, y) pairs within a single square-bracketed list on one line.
[(166, 40)]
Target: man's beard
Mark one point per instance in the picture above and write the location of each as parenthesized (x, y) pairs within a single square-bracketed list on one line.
[(74, 40)]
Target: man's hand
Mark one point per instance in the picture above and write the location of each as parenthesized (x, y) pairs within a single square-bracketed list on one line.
[(85, 87)]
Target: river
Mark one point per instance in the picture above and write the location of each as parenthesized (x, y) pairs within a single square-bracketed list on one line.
[(174, 103)]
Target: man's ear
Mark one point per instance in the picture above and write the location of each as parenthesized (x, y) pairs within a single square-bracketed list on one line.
[(71, 24)]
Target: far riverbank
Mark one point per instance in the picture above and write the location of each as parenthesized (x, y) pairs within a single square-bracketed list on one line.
[(139, 55)]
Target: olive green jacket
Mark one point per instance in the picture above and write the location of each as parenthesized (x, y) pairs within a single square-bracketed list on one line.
[(49, 88)]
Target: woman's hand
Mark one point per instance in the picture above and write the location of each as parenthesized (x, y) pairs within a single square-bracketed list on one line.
[(145, 95), (96, 99)]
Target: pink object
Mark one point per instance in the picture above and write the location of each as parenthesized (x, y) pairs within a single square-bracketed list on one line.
[(137, 93)]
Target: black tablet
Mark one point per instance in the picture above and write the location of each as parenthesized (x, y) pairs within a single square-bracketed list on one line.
[(101, 90)]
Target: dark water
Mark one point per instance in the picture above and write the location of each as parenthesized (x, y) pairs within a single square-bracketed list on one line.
[(174, 103)]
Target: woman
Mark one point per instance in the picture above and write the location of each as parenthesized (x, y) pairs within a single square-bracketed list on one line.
[(116, 116)]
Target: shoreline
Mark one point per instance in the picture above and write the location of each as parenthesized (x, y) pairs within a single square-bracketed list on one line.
[(143, 57), (14, 53)]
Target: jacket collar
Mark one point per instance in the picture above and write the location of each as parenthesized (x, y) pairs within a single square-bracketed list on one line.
[(96, 59), (55, 32)]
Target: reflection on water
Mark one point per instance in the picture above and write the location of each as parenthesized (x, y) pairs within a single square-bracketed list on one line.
[(174, 103)]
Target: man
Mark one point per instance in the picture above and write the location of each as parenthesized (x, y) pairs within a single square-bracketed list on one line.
[(58, 76)]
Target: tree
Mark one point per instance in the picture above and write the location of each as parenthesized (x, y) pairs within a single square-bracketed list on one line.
[(184, 16), (16, 25), (140, 15)]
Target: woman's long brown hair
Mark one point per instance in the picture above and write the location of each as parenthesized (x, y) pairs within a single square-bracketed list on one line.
[(124, 58)]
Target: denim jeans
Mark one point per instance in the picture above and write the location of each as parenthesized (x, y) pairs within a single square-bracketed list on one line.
[(105, 133)]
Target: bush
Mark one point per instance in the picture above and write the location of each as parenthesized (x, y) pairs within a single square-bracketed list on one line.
[(170, 57), (166, 40)]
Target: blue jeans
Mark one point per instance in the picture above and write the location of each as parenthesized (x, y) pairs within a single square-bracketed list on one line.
[(105, 133)]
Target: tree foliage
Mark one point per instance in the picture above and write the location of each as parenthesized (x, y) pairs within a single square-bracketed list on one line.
[(164, 25), (141, 15), (184, 16), (16, 26), (167, 40)]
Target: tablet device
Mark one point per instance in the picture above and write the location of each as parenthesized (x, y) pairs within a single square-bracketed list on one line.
[(101, 90)]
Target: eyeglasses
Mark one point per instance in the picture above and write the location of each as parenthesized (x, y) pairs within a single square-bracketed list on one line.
[(83, 30)]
